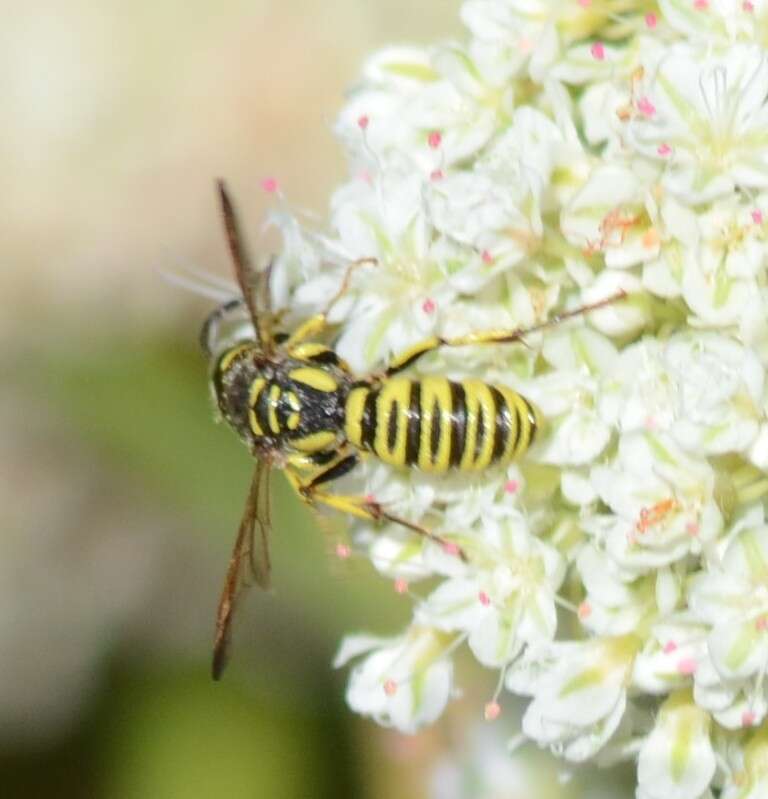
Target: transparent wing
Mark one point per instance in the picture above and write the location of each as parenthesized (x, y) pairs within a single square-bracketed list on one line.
[(249, 562), (254, 285)]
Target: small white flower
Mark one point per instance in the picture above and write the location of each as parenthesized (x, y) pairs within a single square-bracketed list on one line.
[(707, 120), (674, 651), (614, 214), (677, 760), (404, 682), (568, 396), (663, 503), (747, 777), (703, 389), (613, 606), (579, 692), (508, 598), (733, 600)]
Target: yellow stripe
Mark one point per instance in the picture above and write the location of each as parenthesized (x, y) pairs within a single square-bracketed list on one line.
[(478, 396), (274, 399), (485, 399), (253, 398), (393, 399), (314, 378), (435, 388), (526, 426), (228, 357), (293, 421), (293, 401), (303, 352), (470, 433), (353, 421), (314, 442)]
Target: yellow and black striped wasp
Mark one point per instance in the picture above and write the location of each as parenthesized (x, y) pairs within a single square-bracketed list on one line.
[(298, 408)]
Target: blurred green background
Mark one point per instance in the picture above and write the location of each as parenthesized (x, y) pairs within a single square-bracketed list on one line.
[(119, 497)]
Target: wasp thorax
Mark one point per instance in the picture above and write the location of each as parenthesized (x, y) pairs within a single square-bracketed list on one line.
[(280, 404)]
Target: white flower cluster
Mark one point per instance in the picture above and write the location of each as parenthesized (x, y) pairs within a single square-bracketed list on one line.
[(618, 574)]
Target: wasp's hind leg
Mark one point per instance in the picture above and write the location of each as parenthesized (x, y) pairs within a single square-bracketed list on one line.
[(500, 336), (357, 505)]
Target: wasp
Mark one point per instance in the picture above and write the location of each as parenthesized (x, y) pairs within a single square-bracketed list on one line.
[(299, 408)]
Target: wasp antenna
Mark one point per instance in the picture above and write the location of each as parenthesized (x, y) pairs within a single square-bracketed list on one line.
[(243, 269)]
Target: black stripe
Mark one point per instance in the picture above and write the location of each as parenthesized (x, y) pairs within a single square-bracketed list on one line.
[(413, 434), (394, 410), (325, 357), (283, 411), (518, 430), (323, 457), (501, 425), (337, 470), (368, 422), (480, 432), (434, 437), (458, 423), (262, 409)]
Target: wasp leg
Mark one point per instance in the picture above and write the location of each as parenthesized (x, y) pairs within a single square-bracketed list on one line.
[(210, 326), (359, 506), (316, 324), (412, 354)]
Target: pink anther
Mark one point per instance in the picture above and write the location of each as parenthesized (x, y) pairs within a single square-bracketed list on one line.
[(401, 586), (362, 122), (663, 150), (598, 51), (669, 648), (270, 185), (646, 107), (390, 687), (436, 174), (687, 666), (484, 598), (343, 551), (429, 305), (651, 20), (757, 216), (492, 711), (450, 548), (435, 139)]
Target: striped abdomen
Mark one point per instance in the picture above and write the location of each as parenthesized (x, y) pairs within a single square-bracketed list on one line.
[(438, 424)]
